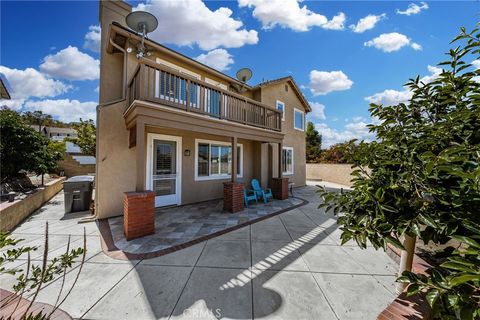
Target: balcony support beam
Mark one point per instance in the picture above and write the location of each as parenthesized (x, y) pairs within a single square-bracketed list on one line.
[(140, 151), (234, 159)]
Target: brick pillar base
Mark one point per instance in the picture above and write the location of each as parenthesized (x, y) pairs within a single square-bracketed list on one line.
[(138, 214), (233, 197), (280, 188)]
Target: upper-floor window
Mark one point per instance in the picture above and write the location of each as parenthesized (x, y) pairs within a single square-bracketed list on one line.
[(298, 119), (281, 108)]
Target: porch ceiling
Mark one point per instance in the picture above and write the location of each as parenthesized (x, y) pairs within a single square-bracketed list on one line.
[(152, 114)]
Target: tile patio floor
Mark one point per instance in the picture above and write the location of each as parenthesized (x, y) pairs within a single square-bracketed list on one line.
[(290, 266), (179, 225)]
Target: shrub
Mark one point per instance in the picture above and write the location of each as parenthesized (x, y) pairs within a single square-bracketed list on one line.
[(425, 181)]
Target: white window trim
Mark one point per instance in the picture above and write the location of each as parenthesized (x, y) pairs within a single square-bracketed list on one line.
[(284, 111), (149, 163), (288, 173), (303, 119), (217, 176)]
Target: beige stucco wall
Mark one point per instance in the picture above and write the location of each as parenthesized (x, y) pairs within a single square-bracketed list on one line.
[(13, 213), (293, 138), (116, 169), (196, 191), (117, 163), (338, 173)]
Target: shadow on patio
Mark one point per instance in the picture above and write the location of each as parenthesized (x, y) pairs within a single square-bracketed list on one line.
[(288, 266)]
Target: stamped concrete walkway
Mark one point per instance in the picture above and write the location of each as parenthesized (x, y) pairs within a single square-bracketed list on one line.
[(290, 266)]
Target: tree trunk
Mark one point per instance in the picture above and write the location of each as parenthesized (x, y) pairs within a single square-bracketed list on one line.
[(406, 259), (42, 180)]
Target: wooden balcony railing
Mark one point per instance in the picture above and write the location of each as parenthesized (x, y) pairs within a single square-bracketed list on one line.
[(160, 84)]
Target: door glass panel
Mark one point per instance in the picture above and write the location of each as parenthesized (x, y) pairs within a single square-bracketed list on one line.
[(164, 167), (164, 187)]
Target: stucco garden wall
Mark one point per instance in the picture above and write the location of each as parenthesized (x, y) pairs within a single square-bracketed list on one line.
[(337, 173), (12, 213)]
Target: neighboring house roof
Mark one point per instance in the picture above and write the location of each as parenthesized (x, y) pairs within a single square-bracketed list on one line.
[(4, 87), (294, 85), (72, 147), (48, 129), (85, 159)]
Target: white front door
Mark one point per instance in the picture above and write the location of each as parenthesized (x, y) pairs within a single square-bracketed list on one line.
[(164, 169)]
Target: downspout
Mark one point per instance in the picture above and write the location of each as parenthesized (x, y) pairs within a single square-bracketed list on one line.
[(124, 90)]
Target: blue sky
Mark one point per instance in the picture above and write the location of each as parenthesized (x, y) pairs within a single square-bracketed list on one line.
[(49, 55)]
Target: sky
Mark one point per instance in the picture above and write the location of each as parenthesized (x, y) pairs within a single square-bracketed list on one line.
[(343, 54)]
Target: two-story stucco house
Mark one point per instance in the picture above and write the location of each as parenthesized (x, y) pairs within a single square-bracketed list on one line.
[(170, 124)]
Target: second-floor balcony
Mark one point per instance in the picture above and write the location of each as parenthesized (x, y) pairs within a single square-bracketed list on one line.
[(157, 83)]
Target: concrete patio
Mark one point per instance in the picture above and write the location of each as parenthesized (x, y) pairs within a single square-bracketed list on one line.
[(290, 266), (179, 225)]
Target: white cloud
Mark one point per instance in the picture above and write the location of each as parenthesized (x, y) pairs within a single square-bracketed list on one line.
[(219, 59), (413, 8), (197, 25), (415, 46), (289, 14), (391, 97), (390, 42), (323, 82), (434, 73), (31, 83), (71, 64), (64, 109), (352, 130), (97, 89), (14, 104), (318, 111), (476, 64), (336, 23), (92, 38), (367, 23)]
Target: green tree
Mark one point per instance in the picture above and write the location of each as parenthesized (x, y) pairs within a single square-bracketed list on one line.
[(86, 138), (425, 182), (313, 143), (38, 118), (24, 149), (341, 152)]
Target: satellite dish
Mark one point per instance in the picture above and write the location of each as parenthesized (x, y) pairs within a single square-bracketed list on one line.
[(244, 74), (143, 22)]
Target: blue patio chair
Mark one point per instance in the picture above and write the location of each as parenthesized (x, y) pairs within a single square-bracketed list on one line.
[(264, 194), (249, 195)]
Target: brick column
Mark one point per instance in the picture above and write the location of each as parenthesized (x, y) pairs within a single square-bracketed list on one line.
[(280, 188), (233, 196), (138, 214)]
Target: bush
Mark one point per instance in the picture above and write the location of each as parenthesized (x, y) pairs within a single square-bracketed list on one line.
[(24, 149), (425, 181)]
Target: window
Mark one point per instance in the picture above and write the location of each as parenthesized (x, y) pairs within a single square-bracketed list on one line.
[(281, 107), (298, 119), (287, 160), (213, 160)]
